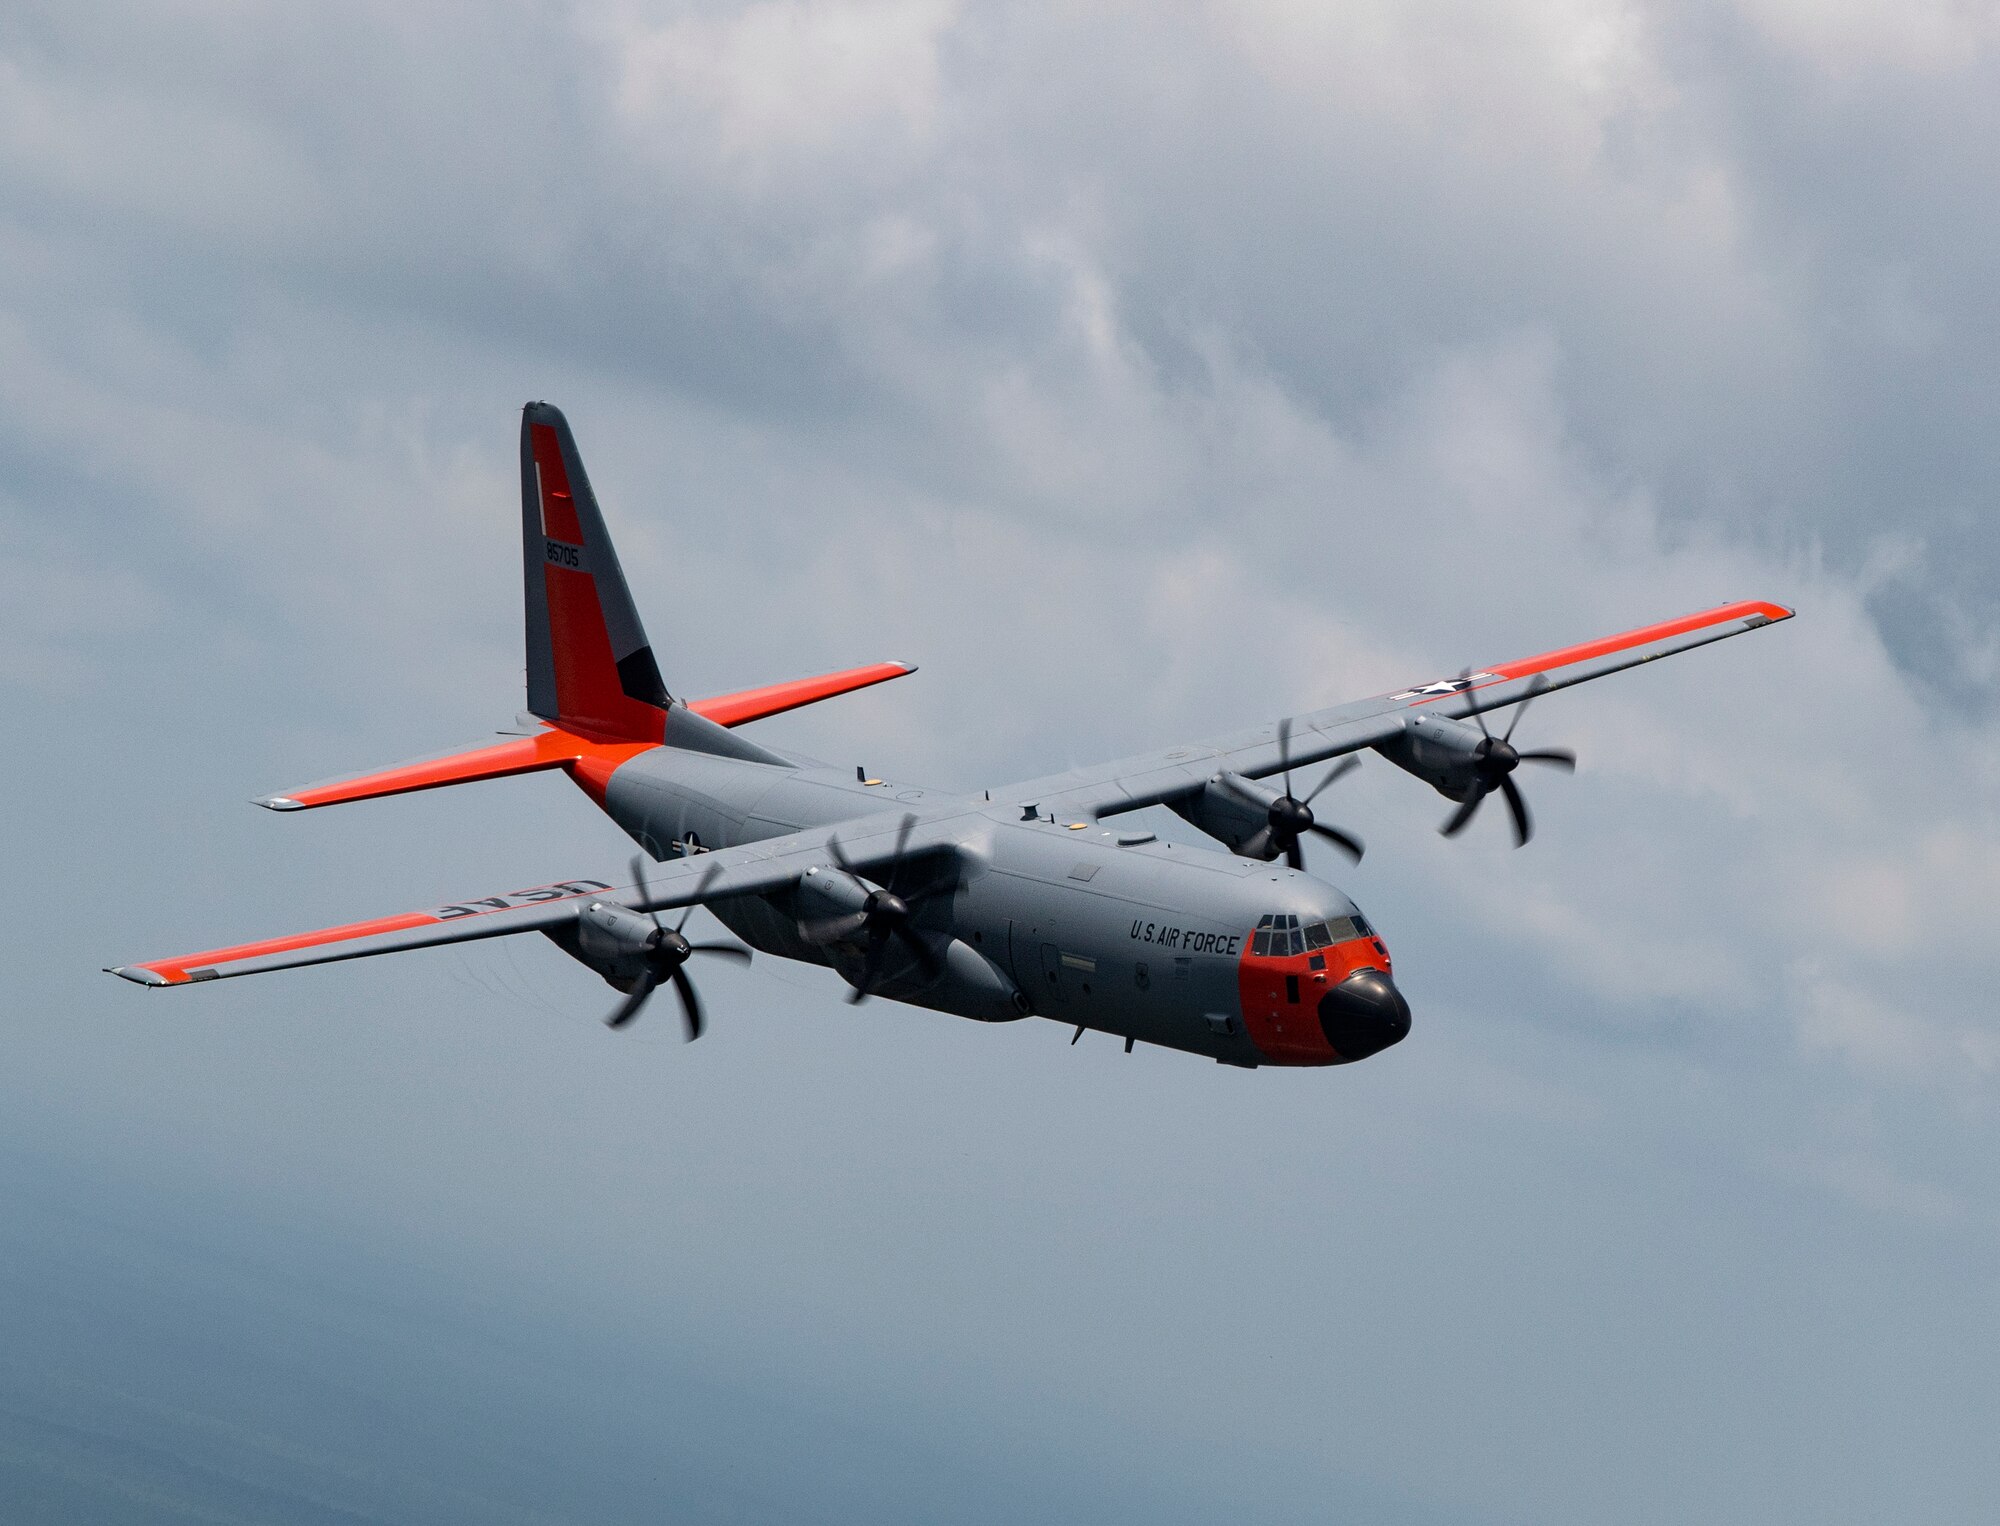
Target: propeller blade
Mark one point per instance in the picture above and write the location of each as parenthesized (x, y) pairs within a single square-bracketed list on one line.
[(629, 1007), (1478, 716), (1340, 770), (887, 880), (690, 1003), (1285, 751), (1524, 828), (1465, 812), (645, 891), (724, 950), (1539, 686), (1559, 757), (845, 864), (700, 894), (871, 969), (927, 961), (903, 831), (1351, 846), (942, 885), (1240, 788), (1295, 855)]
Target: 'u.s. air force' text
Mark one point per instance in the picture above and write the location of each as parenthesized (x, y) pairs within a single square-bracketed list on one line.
[(1187, 939)]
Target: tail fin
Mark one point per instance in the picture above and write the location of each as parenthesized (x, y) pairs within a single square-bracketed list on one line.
[(591, 675), (590, 667)]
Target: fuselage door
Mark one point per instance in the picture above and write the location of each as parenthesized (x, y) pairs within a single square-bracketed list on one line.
[(1052, 976)]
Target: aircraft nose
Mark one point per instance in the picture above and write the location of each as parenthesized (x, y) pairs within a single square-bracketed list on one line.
[(1363, 1015)]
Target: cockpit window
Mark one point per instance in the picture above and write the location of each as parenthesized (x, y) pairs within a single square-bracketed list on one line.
[(1338, 930), (1278, 935)]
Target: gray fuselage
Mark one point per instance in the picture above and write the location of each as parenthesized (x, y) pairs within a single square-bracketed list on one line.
[(1086, 923)]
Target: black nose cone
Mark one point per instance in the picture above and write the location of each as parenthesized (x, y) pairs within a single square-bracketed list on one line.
[(1364, 1014)]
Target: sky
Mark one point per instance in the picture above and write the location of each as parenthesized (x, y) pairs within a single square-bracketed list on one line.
[(1141, 372)]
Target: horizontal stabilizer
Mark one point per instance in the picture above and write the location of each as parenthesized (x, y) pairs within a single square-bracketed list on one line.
[(553, 748), (775, 699), (557, 748)]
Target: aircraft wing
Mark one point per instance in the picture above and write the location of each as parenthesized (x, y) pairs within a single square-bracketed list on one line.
[(1154, 778), (752, 869)]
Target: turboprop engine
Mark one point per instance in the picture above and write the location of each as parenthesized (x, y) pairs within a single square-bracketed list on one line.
[(1468, 763), (1442, 752), (616, 941), (1259, 822), (887, 925), (867, 926), (636, 953)]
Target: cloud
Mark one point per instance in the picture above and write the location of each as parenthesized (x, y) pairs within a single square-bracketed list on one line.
[(1142, 372), (1885, 1039), (1863, 38), (783, 89)]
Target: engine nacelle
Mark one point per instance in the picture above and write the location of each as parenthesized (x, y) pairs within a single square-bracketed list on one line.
[(613, 940), (1231, 813), (831, 906), (1442, 752), (825, 893)]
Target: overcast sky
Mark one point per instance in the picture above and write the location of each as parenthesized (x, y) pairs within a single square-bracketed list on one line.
[(1140, 371)]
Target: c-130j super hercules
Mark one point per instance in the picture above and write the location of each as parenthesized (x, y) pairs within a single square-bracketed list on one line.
[(1033, 899)]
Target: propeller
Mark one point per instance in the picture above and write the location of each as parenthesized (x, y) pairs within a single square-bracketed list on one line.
[(887, 916), (1493, 766), (1288, 819), (667, 953)]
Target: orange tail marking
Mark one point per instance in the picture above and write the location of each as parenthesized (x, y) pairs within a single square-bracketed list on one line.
[(589, 760), (775, 699)]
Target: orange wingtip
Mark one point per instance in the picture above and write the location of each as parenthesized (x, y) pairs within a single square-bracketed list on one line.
[(190, 968), (1757, 610)]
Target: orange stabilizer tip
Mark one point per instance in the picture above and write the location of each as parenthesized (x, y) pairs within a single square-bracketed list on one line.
[(519, 755), (775, 699)]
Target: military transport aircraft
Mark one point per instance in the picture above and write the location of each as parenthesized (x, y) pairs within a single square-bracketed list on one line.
[(1040, 898)]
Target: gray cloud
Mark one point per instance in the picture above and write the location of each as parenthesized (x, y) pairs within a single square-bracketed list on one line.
[(1140, 371)]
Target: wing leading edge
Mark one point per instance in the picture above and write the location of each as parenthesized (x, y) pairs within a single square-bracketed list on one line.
[(1148, 779), (1154, 778), (753, 869)]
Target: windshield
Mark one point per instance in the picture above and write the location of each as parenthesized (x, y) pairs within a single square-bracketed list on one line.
[(1280, 933)]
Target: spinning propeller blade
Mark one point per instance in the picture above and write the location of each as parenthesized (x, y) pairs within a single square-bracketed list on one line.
[(1493, 769), (1289, 819), (666, 956), (886, 916)]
